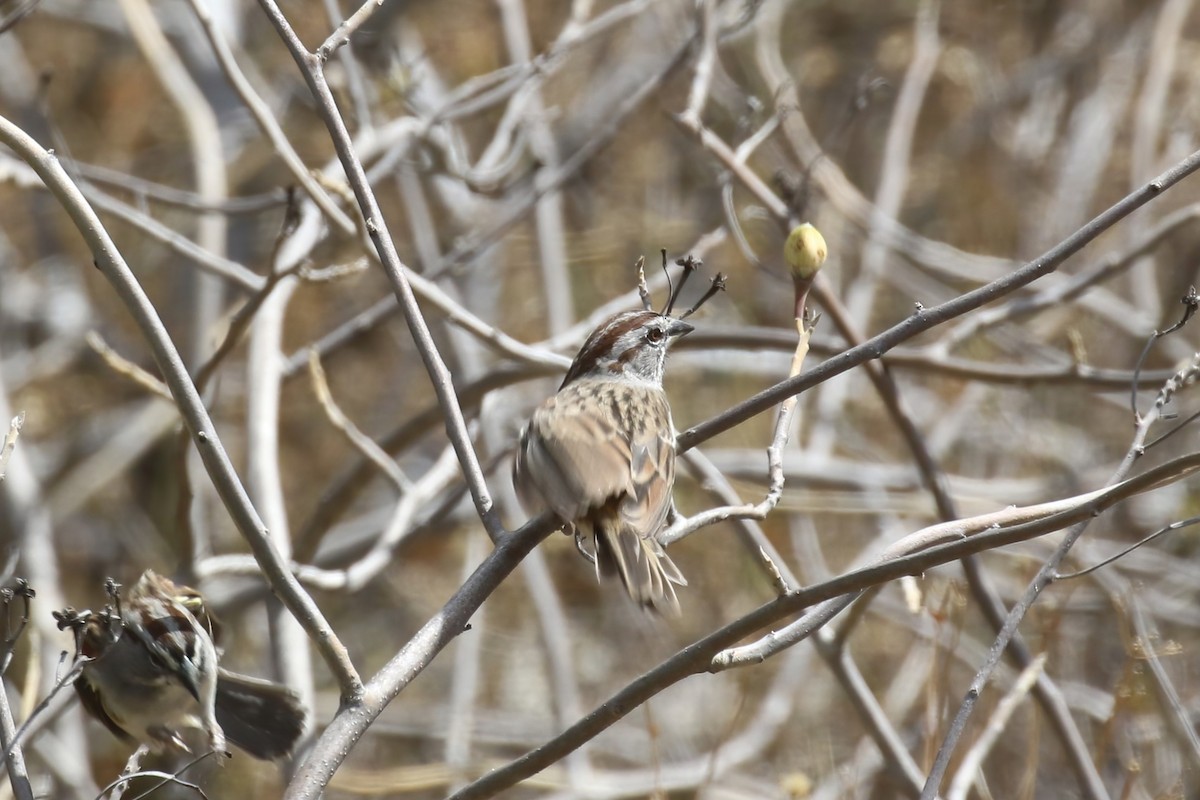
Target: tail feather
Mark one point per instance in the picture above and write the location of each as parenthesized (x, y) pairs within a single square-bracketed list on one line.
[(648, 573), (265, 719)]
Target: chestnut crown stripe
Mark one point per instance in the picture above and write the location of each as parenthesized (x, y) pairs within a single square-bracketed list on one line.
[(603, 339)]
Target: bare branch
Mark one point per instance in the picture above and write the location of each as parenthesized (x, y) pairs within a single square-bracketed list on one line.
[(195, 415), (926, 319), (914, 554), (310, 67)]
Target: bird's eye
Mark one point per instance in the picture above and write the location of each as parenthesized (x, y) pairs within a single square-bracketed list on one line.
[(655, 335)]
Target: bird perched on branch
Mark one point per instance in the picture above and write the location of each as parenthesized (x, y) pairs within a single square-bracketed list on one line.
[(152, 676), (600, 453)]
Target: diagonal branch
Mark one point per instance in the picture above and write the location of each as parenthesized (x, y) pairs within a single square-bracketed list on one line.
[(439, 374), (926, 318), (224, 477), (916, 553)]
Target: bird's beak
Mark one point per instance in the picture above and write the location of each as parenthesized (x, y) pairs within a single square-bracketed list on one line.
[(678, 328)]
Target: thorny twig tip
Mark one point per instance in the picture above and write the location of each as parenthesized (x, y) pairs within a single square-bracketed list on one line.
[(717, 285), (670, 283), (690, 264), (643, 289)]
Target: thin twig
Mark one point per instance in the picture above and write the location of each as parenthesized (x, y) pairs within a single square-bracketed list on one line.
[(267, 123), (1191, 301), (191, 406), (347, 28), (1111, 265), (923, 359), (775, 471), (165, 778), (699, 656), (1174, 526), (885, 385), (972, 761), (9, 442), (926, 319), (132, 768), (208, 161), (1041, 580), (18, 774), (342, 491), (204, 259), (456, 426), (291, 659), (125, 367), (36, 719), (361, 442), (548, 211)]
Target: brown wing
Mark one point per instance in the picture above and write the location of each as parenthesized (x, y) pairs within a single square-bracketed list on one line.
[(612, 473), (573, 454), (652, 469), (629, 547)]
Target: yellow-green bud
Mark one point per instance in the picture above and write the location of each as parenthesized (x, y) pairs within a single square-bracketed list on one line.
[(804, 251)]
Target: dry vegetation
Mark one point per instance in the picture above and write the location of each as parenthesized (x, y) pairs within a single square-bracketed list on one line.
[(523, 154)]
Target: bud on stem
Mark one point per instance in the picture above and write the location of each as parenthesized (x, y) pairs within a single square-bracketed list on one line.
[(804, 253)]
